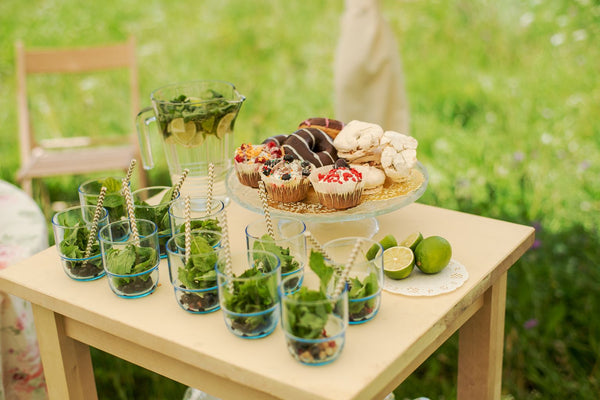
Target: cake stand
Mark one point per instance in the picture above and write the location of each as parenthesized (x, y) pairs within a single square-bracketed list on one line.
[(324, 226)]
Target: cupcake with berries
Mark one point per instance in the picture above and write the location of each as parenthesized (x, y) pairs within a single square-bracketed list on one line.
[(286, 179), (249, 159), (338, 186)]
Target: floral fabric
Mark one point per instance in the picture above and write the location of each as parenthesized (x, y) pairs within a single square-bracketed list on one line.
[(23, 232)]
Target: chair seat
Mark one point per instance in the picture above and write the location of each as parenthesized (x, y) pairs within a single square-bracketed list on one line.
[(45, 163)]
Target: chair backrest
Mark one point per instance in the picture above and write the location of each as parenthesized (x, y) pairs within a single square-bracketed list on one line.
[(71, 60)]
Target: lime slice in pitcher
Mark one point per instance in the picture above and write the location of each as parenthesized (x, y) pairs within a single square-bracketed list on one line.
[(185, 132), (224, 126)]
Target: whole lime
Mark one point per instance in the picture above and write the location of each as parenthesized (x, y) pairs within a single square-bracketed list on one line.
[(433, 254)]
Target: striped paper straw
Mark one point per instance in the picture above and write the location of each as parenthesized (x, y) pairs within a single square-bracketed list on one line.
[(209, 189), (94, 228), (188, 229), (179, 183), (262, 192), (130, 170), (126, 191), (344, 276), (226, 249)]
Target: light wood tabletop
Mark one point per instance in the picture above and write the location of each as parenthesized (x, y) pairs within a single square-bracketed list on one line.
[(197, 350)]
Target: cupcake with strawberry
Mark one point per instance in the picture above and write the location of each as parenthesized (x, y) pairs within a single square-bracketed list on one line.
[(338, 186), (286, 179), (249, 159)]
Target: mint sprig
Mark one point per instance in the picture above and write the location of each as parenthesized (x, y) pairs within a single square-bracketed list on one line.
[(288, 263), (199, 271), (308, 320)]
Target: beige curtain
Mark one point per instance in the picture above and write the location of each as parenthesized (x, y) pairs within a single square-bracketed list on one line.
[(368, 77)]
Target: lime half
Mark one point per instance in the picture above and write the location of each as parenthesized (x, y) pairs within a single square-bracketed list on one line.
[(387, 242), (398, 262), (412, 240)]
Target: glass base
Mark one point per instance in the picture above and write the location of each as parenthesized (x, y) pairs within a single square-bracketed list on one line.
[(326, 231)]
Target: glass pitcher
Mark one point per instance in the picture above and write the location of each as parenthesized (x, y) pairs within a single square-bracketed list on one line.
[(196, 121)]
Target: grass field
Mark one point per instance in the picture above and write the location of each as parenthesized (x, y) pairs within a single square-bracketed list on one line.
[(504, 97)]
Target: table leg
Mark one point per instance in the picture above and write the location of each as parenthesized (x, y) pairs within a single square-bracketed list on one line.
[(67, 362), (481, 345)]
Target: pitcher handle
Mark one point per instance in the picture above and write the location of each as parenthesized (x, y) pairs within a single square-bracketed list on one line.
[(142, 124)]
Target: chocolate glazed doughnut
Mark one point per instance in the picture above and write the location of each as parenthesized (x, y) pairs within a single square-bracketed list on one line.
[(312, 145), (278, 140), (330, 126)]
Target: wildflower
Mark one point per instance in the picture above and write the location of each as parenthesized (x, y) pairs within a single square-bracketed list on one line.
[(518, 156), (585, 164), (580, 35), (530, 323), (557, 39)]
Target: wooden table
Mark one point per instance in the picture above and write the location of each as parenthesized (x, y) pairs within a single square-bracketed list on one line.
[(197, 350)]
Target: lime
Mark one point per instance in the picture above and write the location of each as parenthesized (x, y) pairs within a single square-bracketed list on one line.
[(398, 262), (224, 126), (387, 242), (185, 132), (433, 254), (412, 240)]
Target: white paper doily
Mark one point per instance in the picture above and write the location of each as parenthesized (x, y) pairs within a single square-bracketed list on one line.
[(419, 284)]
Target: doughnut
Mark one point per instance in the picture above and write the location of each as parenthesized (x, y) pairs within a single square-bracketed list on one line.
[(278, 139), (312, 145), (330, 126)]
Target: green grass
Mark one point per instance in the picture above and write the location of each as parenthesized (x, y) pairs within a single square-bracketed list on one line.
[(504, 102)]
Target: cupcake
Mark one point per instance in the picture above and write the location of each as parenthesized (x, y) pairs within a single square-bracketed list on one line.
[(338, 186), (249, 160), (286, 179)]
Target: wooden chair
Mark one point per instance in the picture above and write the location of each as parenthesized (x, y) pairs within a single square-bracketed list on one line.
[(74, 155)]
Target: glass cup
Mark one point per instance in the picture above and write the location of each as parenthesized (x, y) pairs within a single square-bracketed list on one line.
[(114, 202), (313, 321), (365, 280), (289, 245), (132, 268), (248, 293), (71, 233), (195, 280), (196, 122), (152, 203), (200, 218)]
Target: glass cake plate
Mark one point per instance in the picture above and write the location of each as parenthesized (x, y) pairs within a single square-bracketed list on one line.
[(358, 221)]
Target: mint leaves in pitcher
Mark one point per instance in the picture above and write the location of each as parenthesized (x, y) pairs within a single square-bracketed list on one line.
[(189, 120)]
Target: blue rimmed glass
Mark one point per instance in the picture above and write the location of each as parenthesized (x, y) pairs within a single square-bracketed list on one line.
[(150, 203), (114, 202), (313, 321), (248, 293), (132, 268), (289, 244), (194, 279), (71, 233), (200, 216), (365, 280)]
